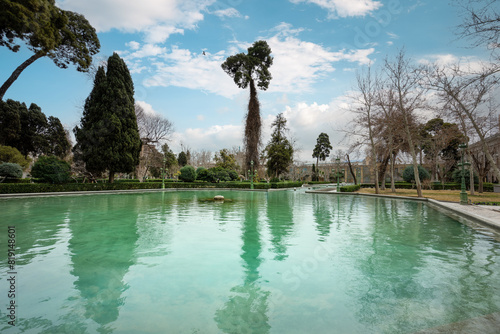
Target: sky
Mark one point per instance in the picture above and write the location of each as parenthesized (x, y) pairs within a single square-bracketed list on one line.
[(174, 50)]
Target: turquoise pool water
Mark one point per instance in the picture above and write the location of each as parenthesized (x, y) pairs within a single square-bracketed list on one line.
[(280, 262)]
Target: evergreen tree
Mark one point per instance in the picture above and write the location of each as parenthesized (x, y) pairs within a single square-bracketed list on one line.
[(279, 151), (245, 69), (182, 159), (108, 137), (57, 141), (322, 149)]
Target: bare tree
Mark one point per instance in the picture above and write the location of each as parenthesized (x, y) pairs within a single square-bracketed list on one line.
[(468, 96), (153, 128), (481, 22), (365, 108), (405, 79)]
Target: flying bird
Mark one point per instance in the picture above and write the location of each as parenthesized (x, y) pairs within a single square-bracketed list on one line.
[(204, 53)]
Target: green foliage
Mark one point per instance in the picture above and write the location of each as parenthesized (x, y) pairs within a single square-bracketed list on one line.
[(108, 137), (254, 65), (225, 160), (322, 149), (170, 159), (409, 175), (182, 159), (57, 140), (29, 131), (216, 174), (63, 36), (12, 154), (188, 174), (350, 189), (10, 188), (8, 169), (457, 176), (51, 169), (279, 150)]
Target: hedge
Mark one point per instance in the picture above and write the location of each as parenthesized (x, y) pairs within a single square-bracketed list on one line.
[(12, 188), (350, 189)]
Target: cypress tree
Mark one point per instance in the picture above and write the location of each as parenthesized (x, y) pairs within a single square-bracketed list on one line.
[(108, 138)]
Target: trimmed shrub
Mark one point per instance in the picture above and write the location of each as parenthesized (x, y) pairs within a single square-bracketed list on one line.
[(188, 174), (12, 170), (409, 175), (350, 189), (12, 154), (50, 169)]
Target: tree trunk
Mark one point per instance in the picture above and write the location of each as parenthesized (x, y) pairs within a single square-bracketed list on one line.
[(111, 178), (413, 156), (252, 128), (13, 77), (350, 169), (393, 185)]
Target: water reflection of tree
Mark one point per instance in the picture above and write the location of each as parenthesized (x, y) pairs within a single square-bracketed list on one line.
[(102, 250), (36, 231), (280, 214), (421, 270), (246, 310), (324, 214)]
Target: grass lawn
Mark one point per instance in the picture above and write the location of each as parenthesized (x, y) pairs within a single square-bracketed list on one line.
[(440, 195)]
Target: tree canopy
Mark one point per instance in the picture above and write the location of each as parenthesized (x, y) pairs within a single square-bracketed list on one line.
[(226, 160), (28, 130), (322, 149), (63, 36), (279, 151), (245, 69), (108, 137)]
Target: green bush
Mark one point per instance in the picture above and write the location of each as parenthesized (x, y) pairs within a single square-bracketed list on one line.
[(12, 154), (188, 174), (409, 174), (50, 169), (457, 177), (350, 189), (274, 180), (11, 170)]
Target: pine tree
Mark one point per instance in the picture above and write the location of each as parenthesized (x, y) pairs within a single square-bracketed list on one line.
[(279, 150), (108, 138)]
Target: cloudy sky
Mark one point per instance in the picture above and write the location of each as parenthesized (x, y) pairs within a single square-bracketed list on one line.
[(318, 45)]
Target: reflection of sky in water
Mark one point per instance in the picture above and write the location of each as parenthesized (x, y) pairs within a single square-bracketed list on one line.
[(279, 262)]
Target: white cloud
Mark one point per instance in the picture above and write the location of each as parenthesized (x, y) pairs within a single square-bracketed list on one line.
[(156, 18), (182, 68), (298, 64), (466, 64), (148, 109), (343, 8), (200, 117), (212, 139), (228, 12)]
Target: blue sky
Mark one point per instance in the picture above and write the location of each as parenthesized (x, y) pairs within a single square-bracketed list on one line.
[(317, 46)]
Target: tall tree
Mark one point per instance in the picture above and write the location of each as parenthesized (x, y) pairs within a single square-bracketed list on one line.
[(57, 140), (405, 80), (108, 137), (182, 159), (63, 36), (246, 69), (279, 150), (365, 109), (322, 149)]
